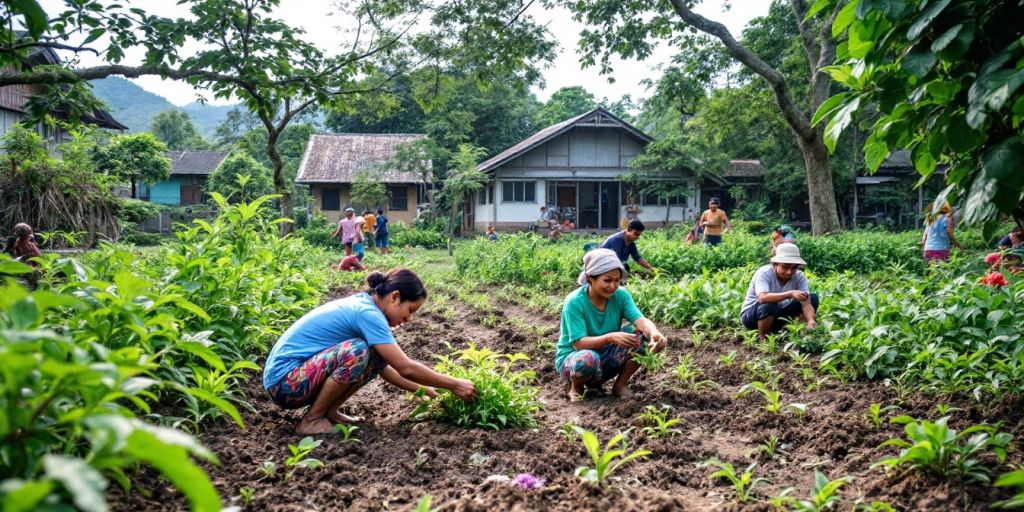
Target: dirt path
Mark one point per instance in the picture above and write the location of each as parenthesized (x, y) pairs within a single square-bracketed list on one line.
[(381, 473)]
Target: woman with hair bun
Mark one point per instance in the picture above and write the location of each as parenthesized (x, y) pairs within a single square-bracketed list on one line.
[(332, 351)]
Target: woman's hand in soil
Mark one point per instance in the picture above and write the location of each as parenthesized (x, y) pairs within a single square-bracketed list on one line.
[(429, 393), (464, 389), (659, 341), (625, 340)]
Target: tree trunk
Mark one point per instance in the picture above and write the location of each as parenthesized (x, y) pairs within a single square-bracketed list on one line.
[(451, 226), (133, 188), (821, 194), (280, 187)]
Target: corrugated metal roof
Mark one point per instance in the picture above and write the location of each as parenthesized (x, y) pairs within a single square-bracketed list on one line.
[(195, 162), (553, 131), (337, 157)]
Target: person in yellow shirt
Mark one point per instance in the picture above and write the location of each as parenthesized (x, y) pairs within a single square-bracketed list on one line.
[(369, 228), (714, 221)]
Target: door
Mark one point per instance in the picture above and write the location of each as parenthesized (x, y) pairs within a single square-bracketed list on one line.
[(588, 214), (609, 205)]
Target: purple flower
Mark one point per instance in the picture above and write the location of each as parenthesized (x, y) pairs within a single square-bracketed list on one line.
[(528, 481)]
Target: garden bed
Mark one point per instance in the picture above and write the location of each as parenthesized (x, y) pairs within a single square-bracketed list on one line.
[(398, 461)]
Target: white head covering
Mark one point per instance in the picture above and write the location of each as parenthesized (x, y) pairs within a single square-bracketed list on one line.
[(599, 261), (788, 253)]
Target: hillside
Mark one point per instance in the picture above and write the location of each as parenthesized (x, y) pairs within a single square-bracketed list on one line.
[(136, 107)]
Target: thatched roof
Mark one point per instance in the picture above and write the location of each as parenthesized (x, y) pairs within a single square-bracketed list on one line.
[(195, 163), (744, 169), (598, 117), (337, 157)]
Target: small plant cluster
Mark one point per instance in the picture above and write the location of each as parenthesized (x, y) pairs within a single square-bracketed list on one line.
[(689, 376), (506, 396), (299, 459), (658, 423), (935, 449), (605, 460), (107, 335), (772, 398)]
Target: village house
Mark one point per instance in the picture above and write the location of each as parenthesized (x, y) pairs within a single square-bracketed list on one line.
[(332, 161), (13, 99), (189, 172), (574, 166)]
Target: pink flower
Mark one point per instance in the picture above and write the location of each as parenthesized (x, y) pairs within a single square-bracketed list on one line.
[(528, 481), (995, 279), (992, 258)]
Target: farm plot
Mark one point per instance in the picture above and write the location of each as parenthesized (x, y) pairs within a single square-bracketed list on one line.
[(793, 425)]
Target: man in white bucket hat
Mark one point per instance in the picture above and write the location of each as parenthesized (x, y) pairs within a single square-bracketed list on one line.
[(779, 291)]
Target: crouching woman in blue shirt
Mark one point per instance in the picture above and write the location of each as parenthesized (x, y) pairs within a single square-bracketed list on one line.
[(332, 351)]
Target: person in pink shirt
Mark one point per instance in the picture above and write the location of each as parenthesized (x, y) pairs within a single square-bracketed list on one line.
[(350, 230)]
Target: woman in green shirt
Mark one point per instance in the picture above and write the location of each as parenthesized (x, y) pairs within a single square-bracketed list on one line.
[(593, 347)]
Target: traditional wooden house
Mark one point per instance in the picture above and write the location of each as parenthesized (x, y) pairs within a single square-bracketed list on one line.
[(332, 161), (575, 166), (189, 172), (13, 99)]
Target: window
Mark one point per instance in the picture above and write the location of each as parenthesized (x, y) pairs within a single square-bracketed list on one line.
[(519, 191), (330, 199), (399, 198), (485, 195)]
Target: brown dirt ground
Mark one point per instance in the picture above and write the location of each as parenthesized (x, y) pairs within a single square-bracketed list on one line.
[(381, 474)]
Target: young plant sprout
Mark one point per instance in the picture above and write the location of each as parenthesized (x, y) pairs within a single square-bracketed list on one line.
[(743, 483), (658, 423), (605, 461)]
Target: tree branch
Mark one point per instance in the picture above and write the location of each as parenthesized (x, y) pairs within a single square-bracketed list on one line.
[(67, 76), (516, 17), (806, 29), (794, 116), (821, 82)]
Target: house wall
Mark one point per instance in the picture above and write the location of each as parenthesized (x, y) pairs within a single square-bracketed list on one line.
[(345, 194), (166, 192)]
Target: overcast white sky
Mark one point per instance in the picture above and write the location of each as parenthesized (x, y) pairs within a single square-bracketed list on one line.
[(321, 25)]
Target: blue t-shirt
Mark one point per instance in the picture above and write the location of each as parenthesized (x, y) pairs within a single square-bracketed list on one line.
[(382, 225), (352, 317), (938, 239), (617, 243)]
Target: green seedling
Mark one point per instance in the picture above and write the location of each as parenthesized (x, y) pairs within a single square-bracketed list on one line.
[(946, 409), (421, 457), (424, 504), (651, 361), (874, 415), (697, 338), (246, 493), (743, 484), (605, 461), (659, 425), (300, 457), (346, 432), (570, 430), (773, 399), (770, 446), (689, 376), (874, 506), (727, 359), (1012, 479), (824, 495), (935, 449), (269, 469)]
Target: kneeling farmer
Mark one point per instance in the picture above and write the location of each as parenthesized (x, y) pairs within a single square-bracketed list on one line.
[(592, 346), (332, 351), (779, 290)]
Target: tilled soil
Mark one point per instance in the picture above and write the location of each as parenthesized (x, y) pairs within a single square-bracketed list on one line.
[(398, 461)]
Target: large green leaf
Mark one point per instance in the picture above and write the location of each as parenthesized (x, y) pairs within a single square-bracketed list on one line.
[(839, 122), (35, 18), (203, 352), (919, 60), (1004, 163), (219, 402), (173, 462), (21, 496), (925, 19), (84, 483), (844, 18)]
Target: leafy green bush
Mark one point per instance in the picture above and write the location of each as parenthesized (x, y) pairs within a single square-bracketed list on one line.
[(318, 235), (108, 335), (506, 397), (936, 449), (403, 235)]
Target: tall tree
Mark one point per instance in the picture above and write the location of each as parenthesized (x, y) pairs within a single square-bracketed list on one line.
[(368, 191), (564, 103), (175, 129), (136, 157), (942, 79), (463, 179), (240, 178), (631, 29)]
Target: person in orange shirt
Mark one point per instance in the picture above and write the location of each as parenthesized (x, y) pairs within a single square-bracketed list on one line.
[(369, 228), (714, 221)]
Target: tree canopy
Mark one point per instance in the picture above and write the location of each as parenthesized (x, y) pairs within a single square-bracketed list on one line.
[(136, 157), (240, 178), (175, 129)]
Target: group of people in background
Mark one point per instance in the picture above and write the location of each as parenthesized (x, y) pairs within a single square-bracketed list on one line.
[(358, 232)]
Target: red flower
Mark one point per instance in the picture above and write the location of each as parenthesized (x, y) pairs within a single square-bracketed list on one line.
[(994, 279)]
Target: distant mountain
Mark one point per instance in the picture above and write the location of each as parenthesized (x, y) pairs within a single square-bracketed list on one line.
[(136, 107)]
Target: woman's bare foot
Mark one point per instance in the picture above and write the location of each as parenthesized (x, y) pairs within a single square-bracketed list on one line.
[(339, 417), (316, 426), (622, 391)]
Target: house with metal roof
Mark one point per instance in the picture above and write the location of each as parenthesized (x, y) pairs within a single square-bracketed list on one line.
[(575, 167), (13, 100), (189, 172), (333, 160)]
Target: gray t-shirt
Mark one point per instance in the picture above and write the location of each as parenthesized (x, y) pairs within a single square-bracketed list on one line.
[(765, 280)]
